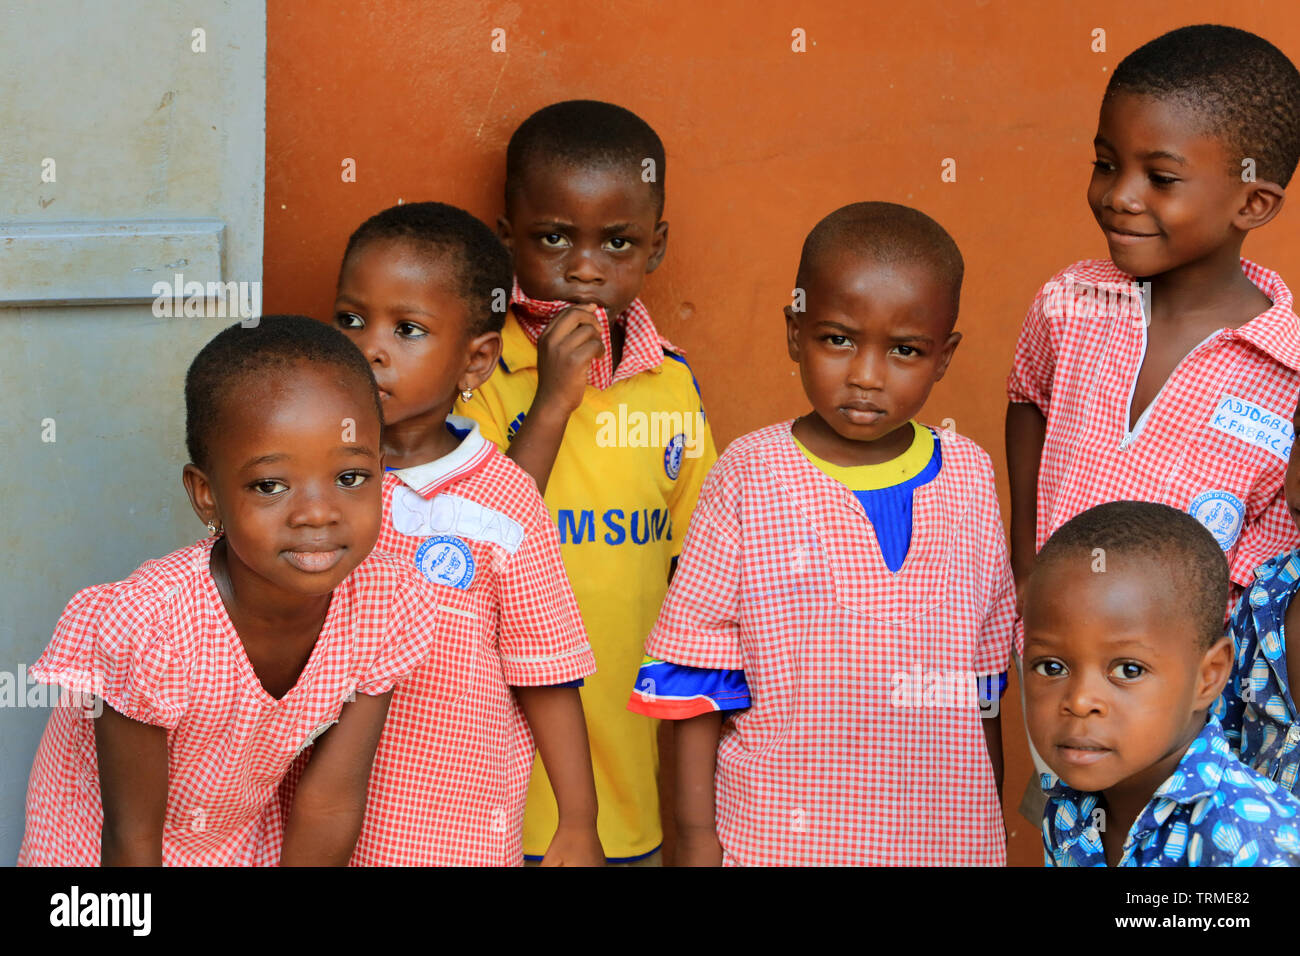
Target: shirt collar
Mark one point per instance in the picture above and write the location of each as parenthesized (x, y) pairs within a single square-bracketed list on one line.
[(1196, 777), (643, 346), (1275, 331), (468, 457), (1184, 786)]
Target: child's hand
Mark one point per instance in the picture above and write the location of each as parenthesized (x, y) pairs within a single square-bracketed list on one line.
[(574, 846), (565, 351), (698, 847)]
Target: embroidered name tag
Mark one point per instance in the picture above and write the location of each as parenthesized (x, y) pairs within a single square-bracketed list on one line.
[(452, 515), (1254, 425)]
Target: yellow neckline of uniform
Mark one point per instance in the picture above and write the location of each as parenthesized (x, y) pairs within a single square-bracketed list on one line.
[(886, 474)]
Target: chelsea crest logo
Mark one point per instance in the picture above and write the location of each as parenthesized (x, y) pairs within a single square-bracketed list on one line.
[(1222, 513), (673, 456), (443, 559)]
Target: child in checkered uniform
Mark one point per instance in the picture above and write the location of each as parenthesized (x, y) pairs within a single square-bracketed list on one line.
[(1169, 372), (415, 293), (844, 597), (213, 667)]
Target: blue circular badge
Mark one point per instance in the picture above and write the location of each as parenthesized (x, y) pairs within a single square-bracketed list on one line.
[(443, 559), (673, 456), (1222, 513)]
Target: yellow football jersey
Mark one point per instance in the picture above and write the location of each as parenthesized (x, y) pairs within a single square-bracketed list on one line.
[(621, 493)]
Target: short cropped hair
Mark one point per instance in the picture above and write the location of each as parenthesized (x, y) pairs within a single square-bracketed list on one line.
[(1244, 88), (585, 134), (888, 233), (481, 263), (239, 358), (1153, 533)]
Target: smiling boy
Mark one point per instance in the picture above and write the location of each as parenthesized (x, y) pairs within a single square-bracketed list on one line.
[(1124, 653), (1169, 371), (583, 222), (831, 559)]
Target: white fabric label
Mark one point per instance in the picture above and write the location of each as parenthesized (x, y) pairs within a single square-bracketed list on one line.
[(418, 516), (1254, 425)]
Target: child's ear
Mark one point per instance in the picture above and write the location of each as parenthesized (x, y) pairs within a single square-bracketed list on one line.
[(1260, 205), (945, 354), (1216, 667), (505, 235), (792, 333), (658, 247), (482, 353), (199, 490)]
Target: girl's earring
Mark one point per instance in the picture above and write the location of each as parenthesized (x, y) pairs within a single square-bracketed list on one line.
[(213, 528), (466, 394)]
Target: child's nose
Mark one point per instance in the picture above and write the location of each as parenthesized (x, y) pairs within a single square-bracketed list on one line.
[(584, 266), (1124, 195), (314, 508), (867, 369), (1083, 696)]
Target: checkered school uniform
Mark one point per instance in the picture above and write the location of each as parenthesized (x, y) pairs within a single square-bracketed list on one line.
[(452, 767), (643, 346), (159, 648), (1214, 441), (841, 759)]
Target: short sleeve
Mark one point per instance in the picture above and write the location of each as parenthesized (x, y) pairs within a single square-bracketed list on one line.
[(487, 408), (410, 635), (699, 623), (541, 636), (115, 641), (1273, 532), (672, 692), (1034, 364), (696, 463), (998, 634)]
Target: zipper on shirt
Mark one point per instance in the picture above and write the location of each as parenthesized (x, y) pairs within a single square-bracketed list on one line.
[(1129, 436)]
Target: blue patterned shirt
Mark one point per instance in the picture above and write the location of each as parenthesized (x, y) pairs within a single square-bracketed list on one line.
[(1256, 708), (1212, 811)]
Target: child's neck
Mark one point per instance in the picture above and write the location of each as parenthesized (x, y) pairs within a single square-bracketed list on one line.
[(1126, 799), (417, 441), (1213, 293), (278, 630), (828, 445)]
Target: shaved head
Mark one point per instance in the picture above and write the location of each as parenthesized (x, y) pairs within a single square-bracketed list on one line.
[(887, 233)]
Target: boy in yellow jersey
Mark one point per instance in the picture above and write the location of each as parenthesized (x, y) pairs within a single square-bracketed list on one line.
[(605, 415)]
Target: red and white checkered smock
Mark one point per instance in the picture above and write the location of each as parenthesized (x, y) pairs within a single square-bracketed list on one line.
[(1213, 442), (452, 769), (781, 577), (159, 648)]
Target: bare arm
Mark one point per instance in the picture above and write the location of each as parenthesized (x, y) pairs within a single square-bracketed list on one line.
[(1026, 431), (133, 787), (565, 352), (330, 803), (696, 743), (555, 716)]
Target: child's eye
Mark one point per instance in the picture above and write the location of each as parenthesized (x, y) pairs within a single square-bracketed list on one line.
[(906, 350), (353, 479), (1102, 165), (839, 341), (1049, 668), (410, 330), (349, 320), (619, 244), (1161, 180), (553, 240), (269, 487), (1128, 670)]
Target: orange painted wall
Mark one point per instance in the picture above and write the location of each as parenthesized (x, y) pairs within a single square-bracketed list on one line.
[(761, 143)]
